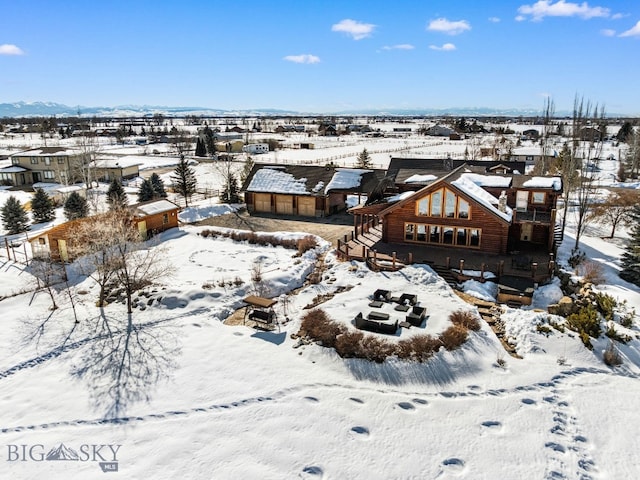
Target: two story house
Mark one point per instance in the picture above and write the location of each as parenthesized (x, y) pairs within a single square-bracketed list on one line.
[(44, 164)]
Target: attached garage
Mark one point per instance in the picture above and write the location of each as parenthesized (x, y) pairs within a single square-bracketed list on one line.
[(307, 206), (284, 204), (262, 202)]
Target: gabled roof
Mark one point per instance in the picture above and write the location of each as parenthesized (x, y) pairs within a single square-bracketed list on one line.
[(153, 207), (462, 182), (309, 180), (46, 151), (13, 169)]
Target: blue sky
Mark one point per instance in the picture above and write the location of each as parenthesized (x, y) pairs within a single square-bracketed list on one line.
[(322, 56)]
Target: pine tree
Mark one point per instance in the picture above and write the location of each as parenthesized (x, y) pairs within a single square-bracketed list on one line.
[(230, 194), (42, 208), (116, 196), (364, 159), (630, 260), (184, 180), (201, 149), (158, 186), (210, 141), (75, 207), (14, 216), (145, 193)]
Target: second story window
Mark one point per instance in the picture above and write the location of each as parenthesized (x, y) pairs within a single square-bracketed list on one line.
[(537, 197), (34, 160)]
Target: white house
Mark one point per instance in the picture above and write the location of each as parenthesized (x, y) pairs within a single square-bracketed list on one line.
[(256, 148)]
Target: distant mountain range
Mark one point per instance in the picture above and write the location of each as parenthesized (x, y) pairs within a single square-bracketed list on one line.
[(48, 109)]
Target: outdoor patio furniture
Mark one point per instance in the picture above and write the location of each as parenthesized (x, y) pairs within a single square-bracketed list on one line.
[(404, 325), (402, 308), (376, 304), (382, 295), (409, 298), (416, 315), (378, 316), (379, 326)]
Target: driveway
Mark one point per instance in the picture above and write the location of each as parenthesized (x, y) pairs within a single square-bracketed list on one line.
[(330, 228)]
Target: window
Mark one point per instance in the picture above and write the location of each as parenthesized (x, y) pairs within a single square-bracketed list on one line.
[(423, 206), (47, 160), (447, 235), (537, 197), (522, 198), (422, 233), (60, 160), (434, 234), (436, 204), (15, 161), (409, 230), (165, 218), (474, 238), (34, 160), (41, 241), (463, 208), (49, 174), (461, 236), (449, 204)]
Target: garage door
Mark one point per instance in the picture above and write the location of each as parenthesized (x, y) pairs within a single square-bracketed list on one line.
[(307, 206), (284, 204), (262, 202)]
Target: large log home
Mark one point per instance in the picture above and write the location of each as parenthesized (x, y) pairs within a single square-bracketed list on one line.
[(473, 208)]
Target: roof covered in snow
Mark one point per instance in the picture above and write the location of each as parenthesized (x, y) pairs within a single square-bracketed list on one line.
[(13, 169), (482, 197), (117, 162), (554, 183), (487, 180), (420, 178), (155, 206), (346, 179), (47, 151)]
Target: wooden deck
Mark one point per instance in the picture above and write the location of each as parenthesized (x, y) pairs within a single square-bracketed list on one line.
[(532, 263)]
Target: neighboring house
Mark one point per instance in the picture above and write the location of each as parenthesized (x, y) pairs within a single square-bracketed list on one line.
[(45, 164), (531, 155), (440, 131), (119, 168), (256, 148), (148, 218), (59, 193), (478, 210), (530, 134), (308, 191)]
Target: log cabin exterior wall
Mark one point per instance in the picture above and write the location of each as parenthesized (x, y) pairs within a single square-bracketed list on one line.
[(494, 231)]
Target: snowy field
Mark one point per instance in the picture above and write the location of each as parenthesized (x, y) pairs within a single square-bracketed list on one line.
[(201, 399)]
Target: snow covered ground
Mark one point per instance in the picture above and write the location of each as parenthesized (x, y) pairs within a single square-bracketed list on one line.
[(201, 399)]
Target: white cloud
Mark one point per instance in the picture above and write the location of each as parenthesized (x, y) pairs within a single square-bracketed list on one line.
[(305, 58), (8, 49), (520, 18), (617, 16), (607, 32), (447, 47), (494, 19), (402, 46), (544, 8), (357, 30), (632, 32), (443, 25)]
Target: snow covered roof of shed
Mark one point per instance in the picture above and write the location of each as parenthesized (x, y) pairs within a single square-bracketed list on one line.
[(156, 206)]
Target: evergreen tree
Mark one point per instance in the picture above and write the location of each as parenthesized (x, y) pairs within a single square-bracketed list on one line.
[(75, 207), (116, 197), (624, 132), (158, 186), (230, 193), (42, 208), (184, 180), (631, 258), (145, 193), (201, 149), (210, 141), (14, 216), (364, 159)]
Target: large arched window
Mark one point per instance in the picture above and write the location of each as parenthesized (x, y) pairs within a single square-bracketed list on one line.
[(443, 203)]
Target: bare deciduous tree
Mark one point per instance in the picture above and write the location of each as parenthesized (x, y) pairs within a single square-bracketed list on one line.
[(616, 209)]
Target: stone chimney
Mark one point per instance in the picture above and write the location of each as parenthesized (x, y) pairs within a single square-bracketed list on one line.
[(502, 201)]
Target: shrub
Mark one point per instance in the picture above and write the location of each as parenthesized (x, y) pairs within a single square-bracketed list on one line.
[(349, 344), (376, 349), (576, 258), (317, 325), (465, 318), (587, 323), (606, 305), (419, 348), (611, 356), (613, 334), (592, 272), (306, 243), (453, 337)]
